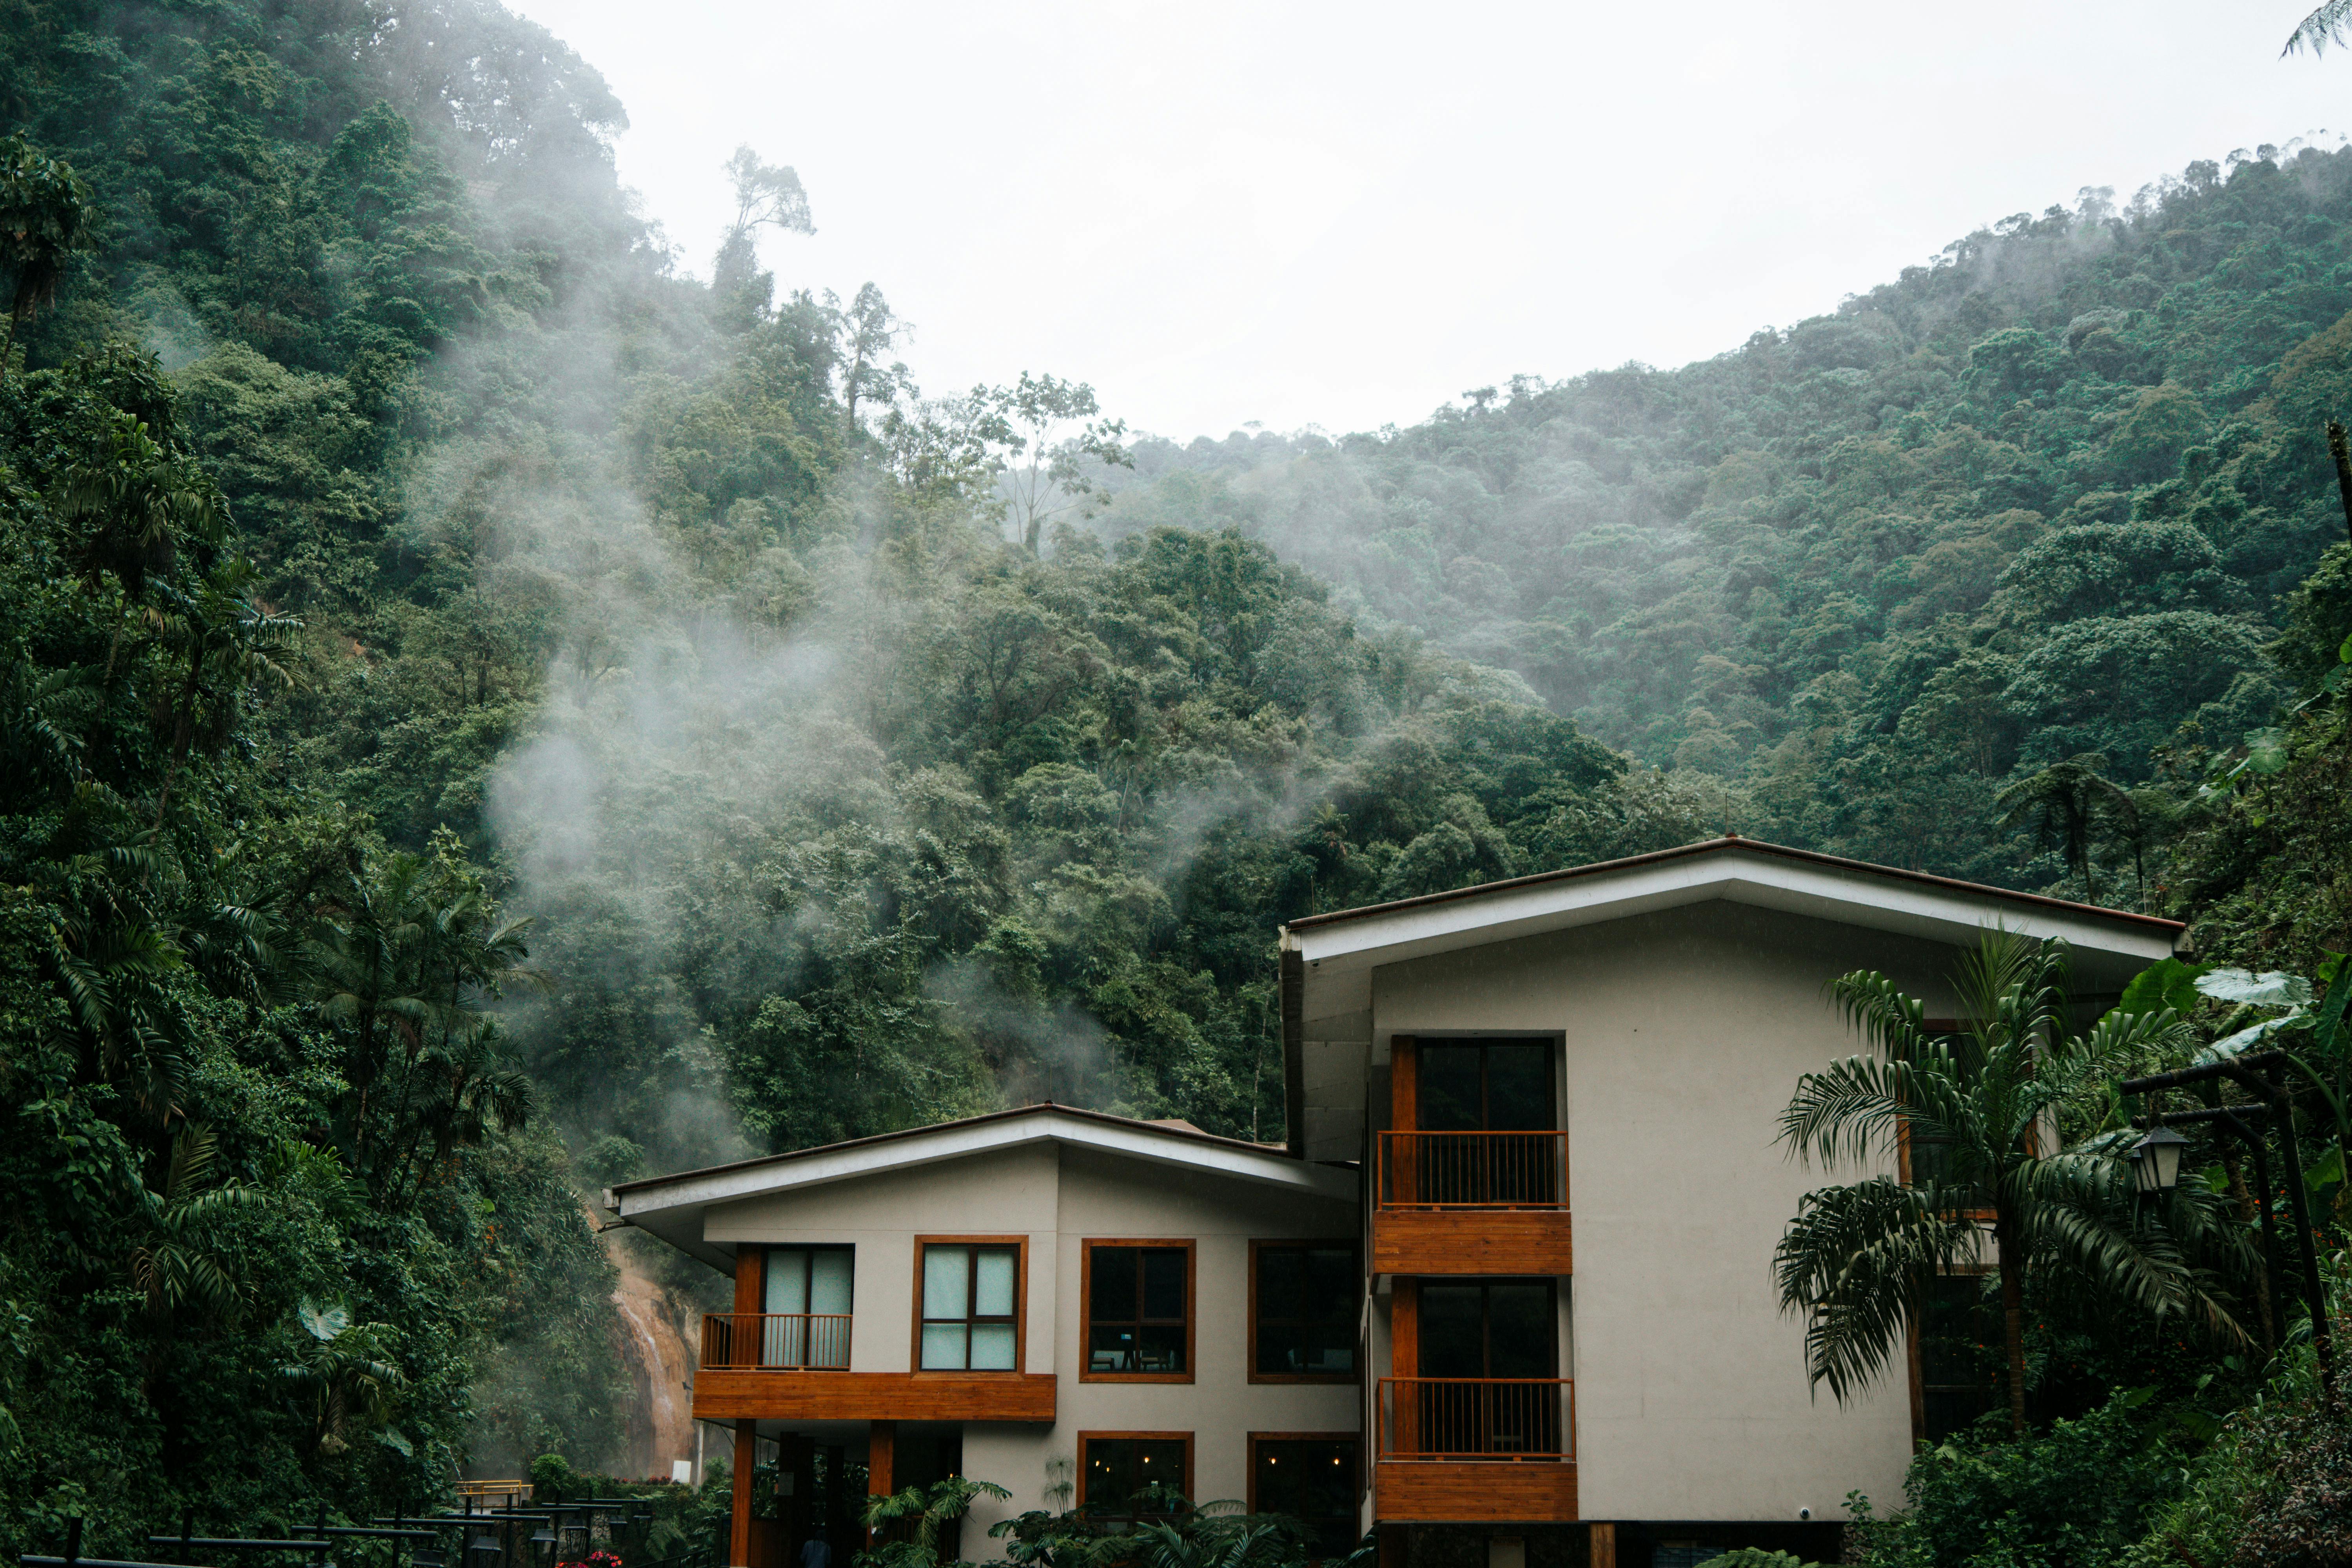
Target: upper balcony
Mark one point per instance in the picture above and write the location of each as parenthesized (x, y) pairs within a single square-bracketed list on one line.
[(1471, 1203), (794, 1366)]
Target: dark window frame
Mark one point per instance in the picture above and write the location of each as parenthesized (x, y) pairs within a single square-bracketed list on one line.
[(1086, 1249), (1355, 1250), (1423, 1044)]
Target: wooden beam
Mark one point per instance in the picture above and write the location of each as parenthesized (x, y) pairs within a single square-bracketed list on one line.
[(1474, 1491), (747, 1455), (1604, 1546), (881, 1455), (1404, 1116), (783, 1394), (1472, 1241)]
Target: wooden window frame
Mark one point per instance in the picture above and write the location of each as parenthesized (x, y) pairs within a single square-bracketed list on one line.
[(1020, 1245), (1353, 1244), (1355, 1441), (1087, 1437), (1086, 1314)]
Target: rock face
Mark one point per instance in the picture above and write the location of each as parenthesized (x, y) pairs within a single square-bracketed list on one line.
[(660, 1359)]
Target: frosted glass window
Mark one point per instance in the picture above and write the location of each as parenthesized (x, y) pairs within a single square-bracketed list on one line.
[(809, 1295), (946, 1281), (971, 1305)]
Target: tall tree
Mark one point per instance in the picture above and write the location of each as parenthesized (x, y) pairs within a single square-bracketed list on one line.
[(44, 217)]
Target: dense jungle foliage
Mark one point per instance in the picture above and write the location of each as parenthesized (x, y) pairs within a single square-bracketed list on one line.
[(490, 713)]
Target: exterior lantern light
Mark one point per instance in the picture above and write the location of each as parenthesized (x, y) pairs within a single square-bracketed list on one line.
[(2157, 1160)]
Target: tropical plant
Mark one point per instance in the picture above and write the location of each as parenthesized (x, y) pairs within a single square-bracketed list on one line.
[(1980, 1110), (909, 1521), (2067, 805), (179, 1260), (344, 1375), (44, 217)]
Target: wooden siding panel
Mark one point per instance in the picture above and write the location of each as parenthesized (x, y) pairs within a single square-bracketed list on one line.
[(724, 1393), (1472, 1241), (1472, 1492)]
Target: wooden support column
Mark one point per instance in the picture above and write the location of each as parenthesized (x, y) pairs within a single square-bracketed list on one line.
[(1404, 1116), (747, 1458), (1603, 1553), (1404, 1361), (881, 1448), (751, 1291), (1395, 1546)]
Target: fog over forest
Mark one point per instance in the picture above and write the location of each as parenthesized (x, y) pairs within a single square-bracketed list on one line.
[(495, 707)]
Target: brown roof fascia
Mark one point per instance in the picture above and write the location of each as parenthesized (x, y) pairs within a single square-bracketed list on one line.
[(1041, 1108), (1757, 846)]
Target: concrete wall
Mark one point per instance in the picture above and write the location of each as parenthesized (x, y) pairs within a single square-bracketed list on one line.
[(1684, 1033), (1059, 1199)]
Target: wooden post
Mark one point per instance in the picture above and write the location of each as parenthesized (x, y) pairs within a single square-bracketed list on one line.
[(1404, 1119), (1395, 1547), (1404, 1362), (751, 1290), (747, 1457), (881, 1446), (1604, 1546)]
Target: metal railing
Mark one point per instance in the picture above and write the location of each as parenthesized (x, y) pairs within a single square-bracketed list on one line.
[(1531, 1418), (797, 1341), (1474, 1170)]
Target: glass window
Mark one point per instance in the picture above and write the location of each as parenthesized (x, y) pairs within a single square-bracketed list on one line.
[(808, 1301), (972, 1296), (1307, 1309), (1312, 1480), (1137, 1308), (1959, 1361), (1485, 1086), (1134, 1477)]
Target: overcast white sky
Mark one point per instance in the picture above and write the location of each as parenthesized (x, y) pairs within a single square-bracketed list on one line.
[(1345, 214)]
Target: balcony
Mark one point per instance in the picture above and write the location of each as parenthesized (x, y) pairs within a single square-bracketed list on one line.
[(1469, 1449), (787, 1341), (794, 1366), (1471, 1203)]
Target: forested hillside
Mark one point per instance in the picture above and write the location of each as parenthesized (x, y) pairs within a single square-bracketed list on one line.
[(2039, 499), (489, 712)]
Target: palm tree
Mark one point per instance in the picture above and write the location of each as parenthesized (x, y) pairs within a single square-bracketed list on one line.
[(2068, 804), (176, 1264), (1858, 1260), (344, 1372)]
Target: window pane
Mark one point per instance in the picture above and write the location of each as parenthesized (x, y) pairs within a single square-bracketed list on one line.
[(1113, 1284), (992, 1347), (787, 1279), (1449, 1087), (1281, 1282), (1453, 1331), (1163, 1282), (1110, 1350), (829, 1276), (1332, 1283), (945, 1271), (1521, 1333), (992, 1290), (943, 1345), (1518, 1086), (1159, 1347)]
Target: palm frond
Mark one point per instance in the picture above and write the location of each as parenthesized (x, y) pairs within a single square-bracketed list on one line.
[(1855, 1264), (2324, 27)]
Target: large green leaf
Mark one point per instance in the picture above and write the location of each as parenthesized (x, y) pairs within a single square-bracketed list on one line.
[(2166, 982), (325, 1323)]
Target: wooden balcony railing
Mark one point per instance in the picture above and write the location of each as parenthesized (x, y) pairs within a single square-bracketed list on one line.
[(792, 1342), (1531, 1418), (1474, 1170)]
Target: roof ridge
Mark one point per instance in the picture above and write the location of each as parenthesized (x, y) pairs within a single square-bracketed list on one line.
[(1734, 842)]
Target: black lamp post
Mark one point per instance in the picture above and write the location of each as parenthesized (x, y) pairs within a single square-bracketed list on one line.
[(2156, 1160)]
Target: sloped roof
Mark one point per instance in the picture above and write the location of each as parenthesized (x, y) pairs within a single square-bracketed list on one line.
[(673, 1207)]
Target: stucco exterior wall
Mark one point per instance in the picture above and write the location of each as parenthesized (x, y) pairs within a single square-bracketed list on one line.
[(1682, 1035)]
